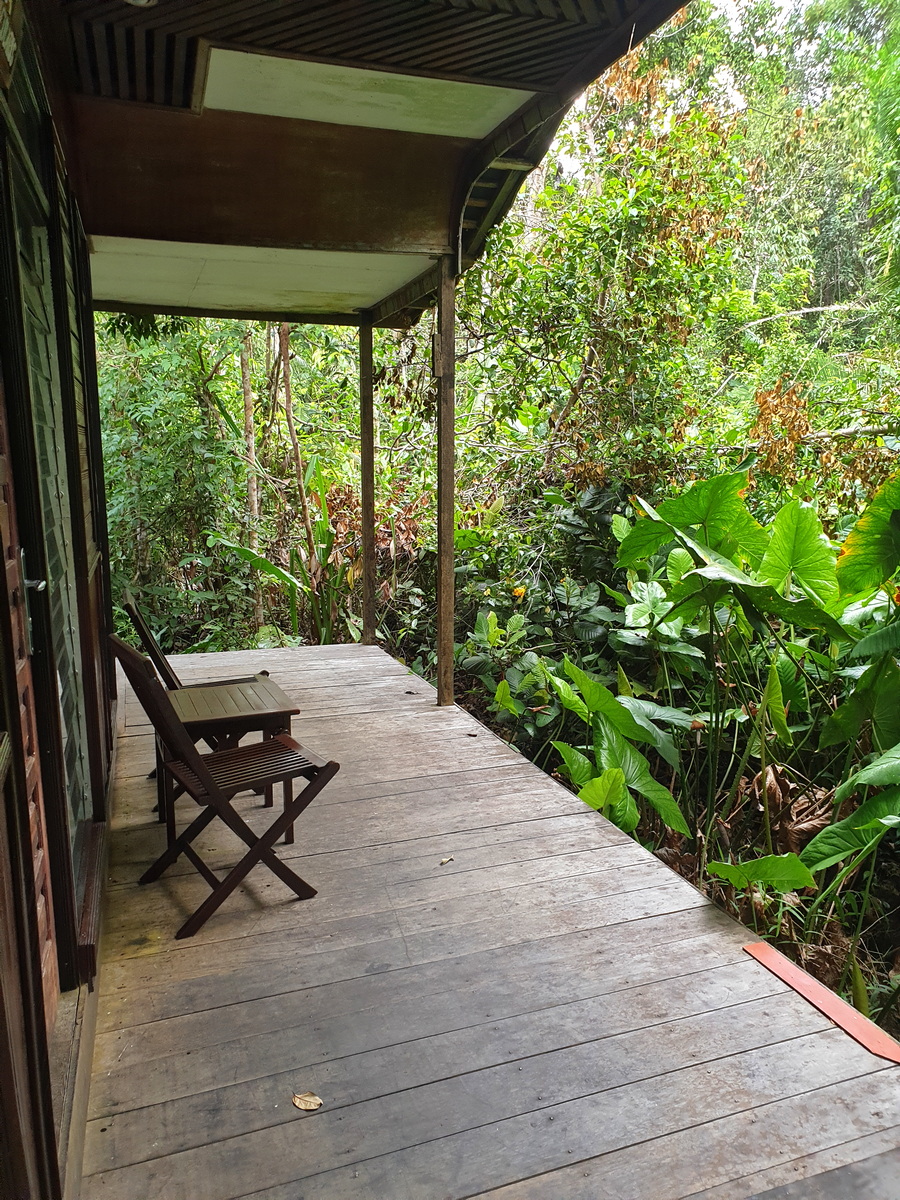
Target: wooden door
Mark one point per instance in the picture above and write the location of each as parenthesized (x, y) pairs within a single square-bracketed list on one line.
[(34, 799), (48, 429), (80, 412)]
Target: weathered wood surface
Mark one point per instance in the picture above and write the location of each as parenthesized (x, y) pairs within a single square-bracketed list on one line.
[(876, 1178), (550, 1013)]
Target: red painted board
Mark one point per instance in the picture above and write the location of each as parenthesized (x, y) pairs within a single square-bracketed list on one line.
[(860, 1028)]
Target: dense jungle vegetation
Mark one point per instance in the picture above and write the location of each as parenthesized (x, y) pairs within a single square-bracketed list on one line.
[(679, 488)]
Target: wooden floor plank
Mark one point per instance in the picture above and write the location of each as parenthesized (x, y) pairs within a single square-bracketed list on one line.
[(878, 1178), (143, 1017), (282, 963), (550, 1013), (327, 1040), (472, 895), (484, 1126), (347, 828), (454, 851), (668, 1167), (540, 1060), (806, 1170)]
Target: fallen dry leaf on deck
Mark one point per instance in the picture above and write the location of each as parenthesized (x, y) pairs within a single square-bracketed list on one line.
[(308, 1101), (444, 861)]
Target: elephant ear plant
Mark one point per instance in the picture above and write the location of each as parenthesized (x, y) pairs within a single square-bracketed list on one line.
[(756, 676), (608, 769)]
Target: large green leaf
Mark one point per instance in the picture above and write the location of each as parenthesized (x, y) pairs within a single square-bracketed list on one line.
[(256, 560), (758, 596), (871, 553), (599, 699), (678, 564), (765, 599), (578, 765), (596, 696), (699, 551), (775, 707), (855, 833), (649, 734), (567, 698), (805, 614), (793, 684), (874, 698), (611, 750), (880, 641), (717, 506), (504, 698), (799, 550), (608, 794), (604, 790), (643, 540), (783, 872), (624, 684), (660, 712), (883, 771)]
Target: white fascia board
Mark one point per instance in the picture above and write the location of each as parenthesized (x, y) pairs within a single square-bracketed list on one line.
[(245, 278), (316, 91)]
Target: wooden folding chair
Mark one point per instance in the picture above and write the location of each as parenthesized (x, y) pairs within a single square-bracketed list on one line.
[(254, 704), (154, 652), (212, 780)]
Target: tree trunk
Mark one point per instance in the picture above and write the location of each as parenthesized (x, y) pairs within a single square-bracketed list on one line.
[(574, 396), (252, 480), (285, 338)]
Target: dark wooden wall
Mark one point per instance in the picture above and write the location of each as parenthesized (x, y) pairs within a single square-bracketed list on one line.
[(56, 679)]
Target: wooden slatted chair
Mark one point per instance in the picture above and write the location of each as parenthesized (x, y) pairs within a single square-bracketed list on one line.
[(154, 651), (216, 735), (213, 780)]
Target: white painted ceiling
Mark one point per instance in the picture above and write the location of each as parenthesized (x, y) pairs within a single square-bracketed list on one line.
[(315, 91), (244, 278)]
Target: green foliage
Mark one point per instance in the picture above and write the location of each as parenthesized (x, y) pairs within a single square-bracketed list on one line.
[(799, 552), (871, 553), (857, 834), (871, 705), (781, 872), (884, 770)]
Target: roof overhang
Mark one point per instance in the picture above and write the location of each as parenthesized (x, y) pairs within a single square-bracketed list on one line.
[(310, 158)]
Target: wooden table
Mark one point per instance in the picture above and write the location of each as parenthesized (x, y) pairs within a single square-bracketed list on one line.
[(229, 711), (221, 714)]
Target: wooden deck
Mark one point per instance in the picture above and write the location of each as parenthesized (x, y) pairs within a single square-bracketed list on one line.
[(552, 1013)]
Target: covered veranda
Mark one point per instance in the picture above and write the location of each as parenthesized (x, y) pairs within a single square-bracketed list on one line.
[(495, 992)]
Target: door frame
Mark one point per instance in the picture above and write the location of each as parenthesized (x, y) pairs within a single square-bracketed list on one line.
[(31, 535), (29, 1164)]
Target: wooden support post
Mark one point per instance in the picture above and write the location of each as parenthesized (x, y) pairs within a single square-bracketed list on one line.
[(445, 369), (367, 482)]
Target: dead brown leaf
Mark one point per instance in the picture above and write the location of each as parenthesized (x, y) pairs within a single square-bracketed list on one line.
[(307, 1101)]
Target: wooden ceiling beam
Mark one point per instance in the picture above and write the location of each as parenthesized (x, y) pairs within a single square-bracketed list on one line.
[(243, 179)]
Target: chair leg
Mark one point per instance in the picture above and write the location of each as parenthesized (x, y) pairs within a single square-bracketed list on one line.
[(269, 801), (260, 851), (289, 832), (175, 848), (161, 777)]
